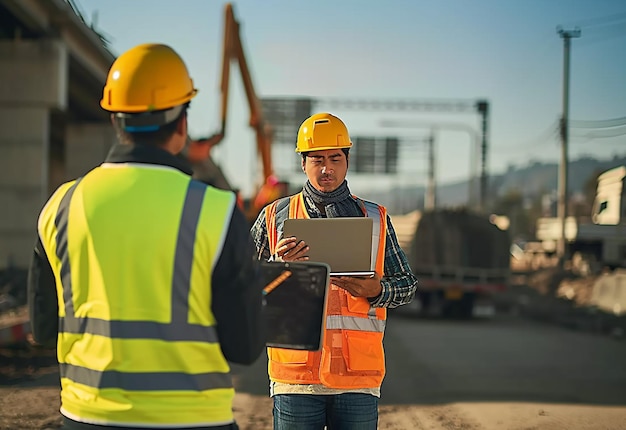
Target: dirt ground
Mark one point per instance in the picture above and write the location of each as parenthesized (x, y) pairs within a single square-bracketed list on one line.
[(37, 408)]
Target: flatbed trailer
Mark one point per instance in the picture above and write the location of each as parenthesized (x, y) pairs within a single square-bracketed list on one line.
[(14, 327), (459, 291)]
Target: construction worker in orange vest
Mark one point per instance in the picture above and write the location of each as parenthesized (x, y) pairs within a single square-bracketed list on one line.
[(144, 278), (338, 386)]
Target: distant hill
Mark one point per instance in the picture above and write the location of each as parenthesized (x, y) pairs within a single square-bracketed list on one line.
[(534, 179), (537, 177)]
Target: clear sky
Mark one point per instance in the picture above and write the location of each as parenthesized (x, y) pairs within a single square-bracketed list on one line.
[(505, 51)]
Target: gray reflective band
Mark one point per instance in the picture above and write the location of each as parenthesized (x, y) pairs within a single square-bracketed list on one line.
[(139, 329), (146, 381), (183, 258), (374, 213), (148, 121), (60, 222), (179, 329), (340, 322), (282, 213)]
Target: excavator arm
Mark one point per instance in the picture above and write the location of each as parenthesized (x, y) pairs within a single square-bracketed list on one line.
[(232, 51)]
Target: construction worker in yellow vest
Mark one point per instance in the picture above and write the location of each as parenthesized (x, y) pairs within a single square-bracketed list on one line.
[(338, 386), (150, 275)]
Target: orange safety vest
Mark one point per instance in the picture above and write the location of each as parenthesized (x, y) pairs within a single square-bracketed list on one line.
[(352, 354)]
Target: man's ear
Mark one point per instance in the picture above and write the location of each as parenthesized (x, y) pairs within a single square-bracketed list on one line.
[(112, 117), (181, 125)]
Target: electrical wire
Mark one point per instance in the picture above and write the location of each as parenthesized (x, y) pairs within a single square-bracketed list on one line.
[(603, 123), (592, 38), (600, 20), (603, 134), (585, 131), (551, 133)]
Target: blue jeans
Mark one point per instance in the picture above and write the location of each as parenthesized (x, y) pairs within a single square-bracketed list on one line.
[(350, 411)]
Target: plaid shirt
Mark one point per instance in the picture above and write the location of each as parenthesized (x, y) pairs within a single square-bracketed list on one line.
[(398, 283)]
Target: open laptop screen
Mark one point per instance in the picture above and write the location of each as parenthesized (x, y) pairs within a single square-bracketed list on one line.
[(345, 243)]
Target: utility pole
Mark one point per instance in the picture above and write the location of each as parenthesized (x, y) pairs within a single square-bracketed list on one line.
[(482, 106), (563, 198), (430, 196)]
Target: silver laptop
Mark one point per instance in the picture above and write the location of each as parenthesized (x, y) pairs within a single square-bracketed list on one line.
[(345, 244)]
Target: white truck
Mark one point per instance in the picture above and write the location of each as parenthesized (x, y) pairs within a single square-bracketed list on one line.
[(601, 241)]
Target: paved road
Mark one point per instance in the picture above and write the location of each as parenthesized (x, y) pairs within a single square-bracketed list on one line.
[(507, 373), (501, 360)]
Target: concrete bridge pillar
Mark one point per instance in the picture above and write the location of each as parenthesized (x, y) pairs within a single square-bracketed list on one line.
[(34, 80), (87, 145)]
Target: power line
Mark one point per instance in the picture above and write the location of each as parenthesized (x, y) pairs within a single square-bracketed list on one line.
[(604, 134), (601, 28), (598, 21), (598, 129), (610, 33), (550, 133), (604, 123)]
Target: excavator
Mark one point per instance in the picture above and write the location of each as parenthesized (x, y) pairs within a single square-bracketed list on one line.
[(199, 150)]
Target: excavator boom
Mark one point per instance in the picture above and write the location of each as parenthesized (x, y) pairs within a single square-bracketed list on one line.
[(233, 51), (199, 150)]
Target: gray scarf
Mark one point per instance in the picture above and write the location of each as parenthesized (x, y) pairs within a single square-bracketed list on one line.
[(337, 203)]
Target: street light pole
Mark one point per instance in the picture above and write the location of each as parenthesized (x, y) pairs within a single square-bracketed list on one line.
[(430, 197), (566, 35)]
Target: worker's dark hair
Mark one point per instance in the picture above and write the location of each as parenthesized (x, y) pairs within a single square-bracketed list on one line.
[(148, 138), (344, 150)]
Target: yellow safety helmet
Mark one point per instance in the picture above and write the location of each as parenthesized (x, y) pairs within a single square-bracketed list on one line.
[(148, 77), (322, 131)]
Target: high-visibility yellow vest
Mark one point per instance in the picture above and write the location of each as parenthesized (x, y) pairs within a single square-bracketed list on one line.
[(132, 248), (352, 354)]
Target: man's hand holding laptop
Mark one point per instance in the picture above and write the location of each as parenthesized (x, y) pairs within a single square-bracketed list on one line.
[(291, 249), (359, 286)]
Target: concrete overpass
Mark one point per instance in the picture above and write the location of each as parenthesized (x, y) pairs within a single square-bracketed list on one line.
[(52, 70)]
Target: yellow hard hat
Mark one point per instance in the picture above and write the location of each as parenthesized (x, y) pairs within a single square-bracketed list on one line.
[(322, 131), (146, 78)]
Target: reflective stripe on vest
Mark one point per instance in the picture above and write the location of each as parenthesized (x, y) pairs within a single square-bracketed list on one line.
[(373, 212), (179, 329), (338, 322)]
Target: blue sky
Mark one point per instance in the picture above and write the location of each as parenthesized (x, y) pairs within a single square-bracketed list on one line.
[(505, 51)]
